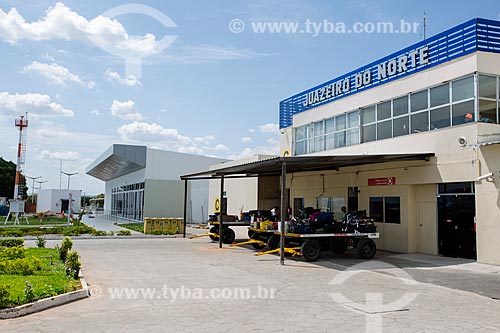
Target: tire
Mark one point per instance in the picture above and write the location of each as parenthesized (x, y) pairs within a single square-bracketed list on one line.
[(366, 248), (228, 236), (214, 230), (250, 234), (339, 245), (311, 250), (273, 242), (256, 237)]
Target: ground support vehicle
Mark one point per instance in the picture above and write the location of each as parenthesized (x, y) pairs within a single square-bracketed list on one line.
[(311, 245), (228, 235)]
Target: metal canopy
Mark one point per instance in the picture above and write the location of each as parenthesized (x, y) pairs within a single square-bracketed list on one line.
[(117, 161), (272, 166)]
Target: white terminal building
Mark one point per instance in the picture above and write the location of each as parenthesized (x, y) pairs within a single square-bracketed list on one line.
[(412, 138), (142, 182)]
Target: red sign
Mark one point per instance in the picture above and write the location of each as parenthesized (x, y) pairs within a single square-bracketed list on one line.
[(388, 181)]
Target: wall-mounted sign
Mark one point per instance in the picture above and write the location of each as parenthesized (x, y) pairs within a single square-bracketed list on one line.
[(387, 181), (285, 152), (471, 36), (385, 69), (217, 205)]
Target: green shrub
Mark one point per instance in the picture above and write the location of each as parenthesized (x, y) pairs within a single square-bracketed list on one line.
[(123, 233), (22, 266), (10, 253), (73, 264), (12, 242), (10, 233), (99, 233), (29, 295), (4, 295), (40, 242), (66, 245)]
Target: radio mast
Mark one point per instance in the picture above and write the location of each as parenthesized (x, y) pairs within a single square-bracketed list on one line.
[(22, 124)]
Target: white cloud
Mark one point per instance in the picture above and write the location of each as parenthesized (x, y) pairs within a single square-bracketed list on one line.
[(95, 112), (130, 81), (156, 136), (205, 139), (125, 110), (272, 141), (246, 139), (201, 54), (251, 130), (36, 104), (52, 133), (270, 128), (56, 74), (221, 147), (68, 155), (62, 23), (265, 150)]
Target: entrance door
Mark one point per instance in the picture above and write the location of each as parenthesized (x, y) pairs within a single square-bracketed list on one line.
[(456, 234), (64, 205), (427, 228)]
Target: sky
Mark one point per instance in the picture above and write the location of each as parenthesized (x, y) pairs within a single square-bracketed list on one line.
[(199, 77)]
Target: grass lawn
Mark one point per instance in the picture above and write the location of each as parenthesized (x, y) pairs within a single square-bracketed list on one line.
[(134, 226), (35, 221), (78, 228), (50, 281)]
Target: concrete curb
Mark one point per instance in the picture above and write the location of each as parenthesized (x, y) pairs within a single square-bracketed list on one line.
[(47, 303), (59, 237)]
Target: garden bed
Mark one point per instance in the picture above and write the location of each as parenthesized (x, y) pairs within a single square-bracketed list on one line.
[(48, 278)]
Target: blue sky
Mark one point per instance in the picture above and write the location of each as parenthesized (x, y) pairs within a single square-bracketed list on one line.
[(211, 92)]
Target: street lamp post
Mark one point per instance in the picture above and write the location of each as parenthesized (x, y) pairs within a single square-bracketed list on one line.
[(33, 191), (69, 175), (40, 182)]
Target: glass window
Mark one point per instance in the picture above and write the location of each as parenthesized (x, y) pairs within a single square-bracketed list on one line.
[(440, 95), (383, 110), (369, 133), (353, 119), (340, 122), (463, 89), (318, 128), (300, 148), (329, 142), (454, 188), (384, 130), (309, 131), (377, 208), (420, 122), (419, 101), (392, 210), (462, 113), (440, 118), (330, 125), (340, 139), (401, 126), (368, 115), (487, 111), (487, 86), (300, 133), (400, 106), (318, 144), (353, 136)]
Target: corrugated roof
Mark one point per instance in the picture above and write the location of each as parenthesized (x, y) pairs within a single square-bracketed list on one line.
[(272, 166)]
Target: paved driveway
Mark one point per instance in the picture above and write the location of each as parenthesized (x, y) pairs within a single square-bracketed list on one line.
[(190, 285)]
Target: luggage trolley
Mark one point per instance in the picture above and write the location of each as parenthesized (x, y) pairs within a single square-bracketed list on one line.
[(311, 245)]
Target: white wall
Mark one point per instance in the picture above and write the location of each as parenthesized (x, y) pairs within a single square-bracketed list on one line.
[(50, 199), (169, 165)]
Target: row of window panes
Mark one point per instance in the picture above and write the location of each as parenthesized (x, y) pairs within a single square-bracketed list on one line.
[(422, 111), (131, 187)]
